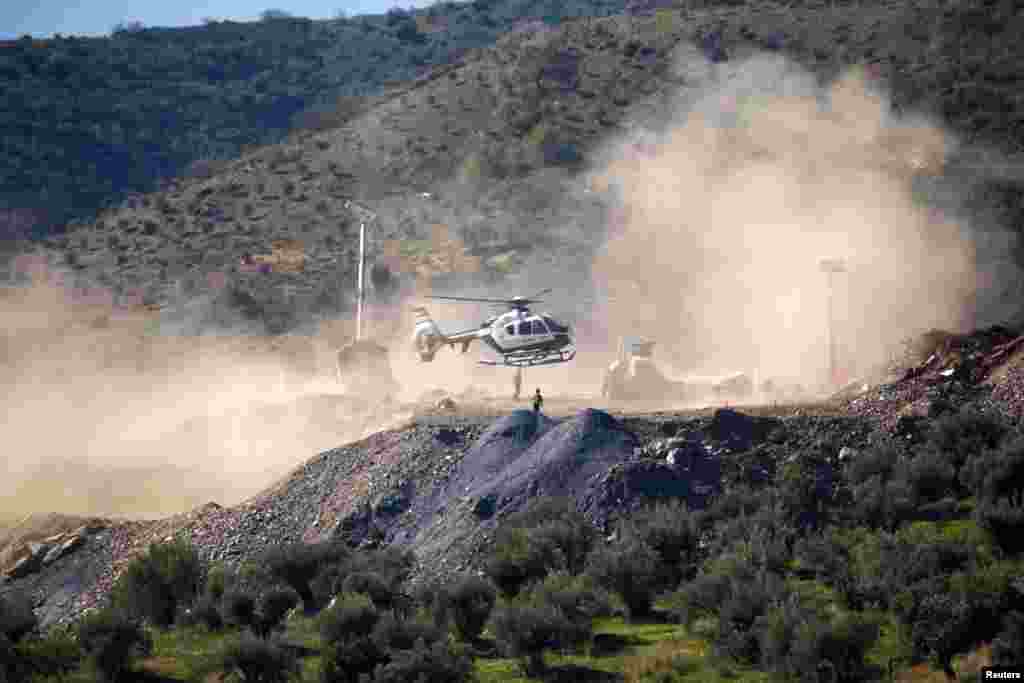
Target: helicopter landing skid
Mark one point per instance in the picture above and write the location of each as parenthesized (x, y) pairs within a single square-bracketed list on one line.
[(549, 358)]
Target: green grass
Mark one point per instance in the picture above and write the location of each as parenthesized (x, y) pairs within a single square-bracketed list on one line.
[(651, 649)]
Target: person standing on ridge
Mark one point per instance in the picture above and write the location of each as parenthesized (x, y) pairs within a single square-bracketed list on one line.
[(519, 383), (538, 401)]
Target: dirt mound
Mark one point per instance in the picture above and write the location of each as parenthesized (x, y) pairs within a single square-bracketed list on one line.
[(560, 461)]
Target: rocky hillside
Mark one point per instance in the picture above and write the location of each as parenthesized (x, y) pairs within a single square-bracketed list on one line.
[(439, 486), (150, 103), (491, 146)]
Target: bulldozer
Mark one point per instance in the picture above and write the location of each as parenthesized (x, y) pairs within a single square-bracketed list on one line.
[(633, 376)]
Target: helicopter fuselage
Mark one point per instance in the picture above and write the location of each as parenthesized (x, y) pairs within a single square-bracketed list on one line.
[(520, 336)]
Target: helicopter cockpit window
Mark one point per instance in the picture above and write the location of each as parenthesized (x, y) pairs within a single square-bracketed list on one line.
[(510, 329), (554, 326), (525, 328), (538, 327)]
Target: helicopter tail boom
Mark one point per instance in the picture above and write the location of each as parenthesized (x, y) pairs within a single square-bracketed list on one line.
[(427, 337)]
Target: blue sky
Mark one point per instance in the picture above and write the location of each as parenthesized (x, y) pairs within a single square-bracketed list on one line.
[(43, 18)]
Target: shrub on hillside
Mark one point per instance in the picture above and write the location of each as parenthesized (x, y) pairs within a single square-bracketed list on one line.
[(240, 609), (519, 558), (111, 641), (17, 619), (349, 649), (669, 530), (469, 602), (579, 598), (746, 605), (945, 626), (156, 586), (527, 631), (434, 662), (55, 655), (274, 606), (352, 616), (998, 473), (371, 585), (259, 661), (298, 564), (392, 633), (1009, 644), (631, 570), (1004, 519), (205, 613), (836, 646), (557, 521), (962, 436)]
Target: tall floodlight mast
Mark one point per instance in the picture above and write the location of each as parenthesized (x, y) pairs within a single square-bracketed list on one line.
[(366, 215)]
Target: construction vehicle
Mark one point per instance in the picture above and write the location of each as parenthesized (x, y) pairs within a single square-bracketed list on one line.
[(633, 376)]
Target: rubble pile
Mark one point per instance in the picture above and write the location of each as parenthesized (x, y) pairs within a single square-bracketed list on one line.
[(940, 371)]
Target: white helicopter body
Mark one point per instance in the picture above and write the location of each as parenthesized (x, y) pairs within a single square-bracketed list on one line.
[(521, 337)]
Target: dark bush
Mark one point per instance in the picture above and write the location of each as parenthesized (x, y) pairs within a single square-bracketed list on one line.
[(371, 585), (327, 584), (1009, 644), (997, 473), (353, 616), (1004, 519), (217, 579), (433, 662), (519, 558), (965, 435), (747, 604), (930, 475), (17, 619), (632, 571), (469, 602), (700, 597), (878, 461), (669, 530), (260, 661), (579, 598), (298, 564), (838, 646), (158, 585), (55, 655), (526, 632), (274, 607), (945, 626), (392, 633), (392, 565), (207, 614), (557, 521), (111, 641), (349, 649), (240, 609)]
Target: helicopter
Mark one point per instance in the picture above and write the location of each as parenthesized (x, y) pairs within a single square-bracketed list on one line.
[(522, 338)]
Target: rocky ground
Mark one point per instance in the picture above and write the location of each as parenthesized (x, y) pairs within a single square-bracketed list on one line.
[(440, 483)]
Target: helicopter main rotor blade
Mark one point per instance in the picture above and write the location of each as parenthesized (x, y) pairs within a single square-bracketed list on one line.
[(469, 298), (541, 293)]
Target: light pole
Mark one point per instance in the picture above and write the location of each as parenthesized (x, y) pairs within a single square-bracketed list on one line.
[(366, 215), (830, 267)]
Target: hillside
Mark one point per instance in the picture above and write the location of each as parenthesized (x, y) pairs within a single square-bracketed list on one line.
[(675, 171), (150, 103), (493, 123)]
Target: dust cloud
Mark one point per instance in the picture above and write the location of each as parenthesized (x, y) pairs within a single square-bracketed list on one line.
[(714, 249), (725, 218), (105, 416)]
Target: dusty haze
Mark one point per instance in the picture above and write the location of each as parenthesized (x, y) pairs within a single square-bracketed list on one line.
[(714, 240), (725, 219)]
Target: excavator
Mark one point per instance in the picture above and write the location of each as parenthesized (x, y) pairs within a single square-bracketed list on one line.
[(633, 376)]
